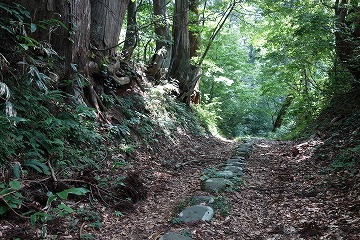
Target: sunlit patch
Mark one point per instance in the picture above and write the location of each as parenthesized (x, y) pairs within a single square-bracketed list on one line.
[(305, 150), (162, 176)]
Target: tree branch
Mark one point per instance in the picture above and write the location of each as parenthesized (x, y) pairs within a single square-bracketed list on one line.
[(217, 29)]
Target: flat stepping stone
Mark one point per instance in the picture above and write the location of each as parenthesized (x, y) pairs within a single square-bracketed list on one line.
[(242, 153), (215, 184), (235, 170), (196, 213), (225, 174), (235, 164), (202, 200), (174, 236), (244, 148)]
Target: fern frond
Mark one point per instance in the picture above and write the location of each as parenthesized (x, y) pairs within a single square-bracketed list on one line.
[(39, 78), (4, 91), (10, 111), (4, 64)]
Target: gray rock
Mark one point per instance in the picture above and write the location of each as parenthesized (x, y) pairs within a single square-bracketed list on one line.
[(215, 184), (235, 164), (234, 169), (243, 151), (242, 154), (225, 174), (202, 200), (174, 236), (196, 213), (243, 148)]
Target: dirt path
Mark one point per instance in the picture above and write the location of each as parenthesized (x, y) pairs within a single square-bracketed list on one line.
[(285, 196)]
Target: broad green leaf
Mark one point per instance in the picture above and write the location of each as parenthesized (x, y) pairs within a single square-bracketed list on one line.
[(24, 46), (51, 198), (3, 209), (17, 170), (77, 191), (5, 191), (65, 208), (33, 27), (15, 184)]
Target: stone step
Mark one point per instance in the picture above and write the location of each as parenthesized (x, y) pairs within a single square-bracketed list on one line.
[(236, 170), (235, 164), (196, 213), (215, 184), (225, 174)]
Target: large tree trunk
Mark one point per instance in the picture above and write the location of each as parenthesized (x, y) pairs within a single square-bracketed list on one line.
[(347, 35), (88, 21), (180, 57), (131, 37), (281, 114), (71, 43), (194, 37), (160, 62), (106, 21)]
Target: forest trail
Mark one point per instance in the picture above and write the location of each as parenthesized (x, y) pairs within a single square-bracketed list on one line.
[(285, 195)]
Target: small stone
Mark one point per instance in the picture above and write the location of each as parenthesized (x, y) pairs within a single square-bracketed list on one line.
[(174, 236), (235, 170), (225, 174), (196, 213), (202, 200), (215, 184)]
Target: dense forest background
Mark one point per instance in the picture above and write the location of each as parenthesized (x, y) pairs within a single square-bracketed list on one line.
[(86, 82)]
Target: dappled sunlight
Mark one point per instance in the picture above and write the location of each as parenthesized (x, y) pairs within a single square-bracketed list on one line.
[(305, 150), (263, 145)]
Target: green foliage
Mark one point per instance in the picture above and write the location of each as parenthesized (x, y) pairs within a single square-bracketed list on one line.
[(184, 203), (347, 158), (283, 49), (209, 115), (11, 196), (15, 17), (77, 191), (186, 233), (221, 205), (169, 114), (208, 173)]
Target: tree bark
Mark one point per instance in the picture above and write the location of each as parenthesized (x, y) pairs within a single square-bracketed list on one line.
[(106, 21), (180, 57), (280, 116), (131, 37), (347, 35), (194, 34), (71, 43), (194, 38), (160, 62), (88, 21)]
